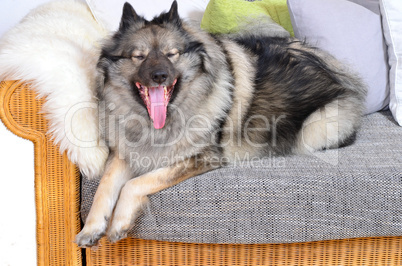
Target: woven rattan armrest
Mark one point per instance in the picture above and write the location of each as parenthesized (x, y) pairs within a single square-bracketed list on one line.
[(57, 190)]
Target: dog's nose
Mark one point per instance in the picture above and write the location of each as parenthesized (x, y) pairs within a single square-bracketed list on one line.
[(159, 76)]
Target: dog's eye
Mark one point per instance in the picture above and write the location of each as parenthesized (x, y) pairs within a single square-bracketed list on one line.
[(172, 53), (139, 57)]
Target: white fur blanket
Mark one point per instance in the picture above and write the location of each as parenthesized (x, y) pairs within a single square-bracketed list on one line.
[(55, 48)]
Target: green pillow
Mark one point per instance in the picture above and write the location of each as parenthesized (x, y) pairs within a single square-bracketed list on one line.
[(224, 16)]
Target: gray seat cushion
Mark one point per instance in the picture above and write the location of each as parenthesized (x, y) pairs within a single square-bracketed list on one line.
[(355, 191)]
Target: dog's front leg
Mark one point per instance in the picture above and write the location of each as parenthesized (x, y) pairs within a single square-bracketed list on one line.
[(116, 175), (134, 194)]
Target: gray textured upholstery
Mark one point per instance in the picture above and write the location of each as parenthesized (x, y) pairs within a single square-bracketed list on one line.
[(350, 192)]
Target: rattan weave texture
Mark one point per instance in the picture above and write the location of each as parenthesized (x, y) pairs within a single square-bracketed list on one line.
[(364, 251)]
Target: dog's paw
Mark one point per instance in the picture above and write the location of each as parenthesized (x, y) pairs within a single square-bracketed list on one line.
[(114, 235), (120, 225), (89, 238), (118, 229)]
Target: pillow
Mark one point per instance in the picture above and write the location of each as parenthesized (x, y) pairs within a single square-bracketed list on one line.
[(353, 34), (391, 11), (108, 13), (224, 16)]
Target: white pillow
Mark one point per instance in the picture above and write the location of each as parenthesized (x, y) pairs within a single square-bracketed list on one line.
[(391, 11), (353, 34), (108, 13)]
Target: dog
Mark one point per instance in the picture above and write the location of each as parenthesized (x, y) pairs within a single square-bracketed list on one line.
[(184, 102)]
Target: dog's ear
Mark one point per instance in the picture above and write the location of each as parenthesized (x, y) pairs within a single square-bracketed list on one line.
[(129, 17), (173, 14)]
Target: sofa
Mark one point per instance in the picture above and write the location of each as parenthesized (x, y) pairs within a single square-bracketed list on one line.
[(337, 207)]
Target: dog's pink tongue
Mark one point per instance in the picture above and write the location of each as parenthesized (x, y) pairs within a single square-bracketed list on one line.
[(158, 107)]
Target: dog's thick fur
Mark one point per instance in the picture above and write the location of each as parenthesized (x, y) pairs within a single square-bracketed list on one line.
[(227, 98)]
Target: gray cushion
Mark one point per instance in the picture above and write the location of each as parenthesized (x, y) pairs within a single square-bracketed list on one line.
[(351, 192)]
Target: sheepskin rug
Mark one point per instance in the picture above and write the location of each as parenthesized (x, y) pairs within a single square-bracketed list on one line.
[(55, 49)]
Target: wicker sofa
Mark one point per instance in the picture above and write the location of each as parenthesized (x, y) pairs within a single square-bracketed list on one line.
[(57, 186)]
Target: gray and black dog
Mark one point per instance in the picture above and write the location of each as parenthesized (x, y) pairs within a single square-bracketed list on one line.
[(189, 102)]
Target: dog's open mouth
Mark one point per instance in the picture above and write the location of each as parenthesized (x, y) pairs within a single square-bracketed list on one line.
[(156, 99)]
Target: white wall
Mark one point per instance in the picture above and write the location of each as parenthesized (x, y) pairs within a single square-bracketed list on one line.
[(17, 202), (17, 205)]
